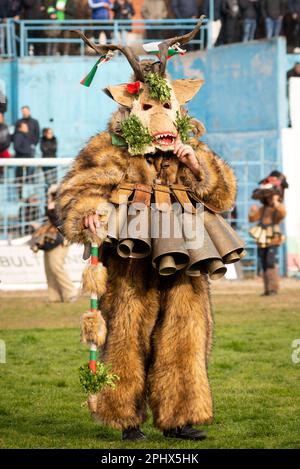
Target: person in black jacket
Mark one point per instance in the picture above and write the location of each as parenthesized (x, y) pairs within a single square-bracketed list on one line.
[(48, 146), (249, 12), (217, 22), (185, 9), (231, 13), (294, 9), (273, 12), (22, 147), (123, 10), (33, 127), (10, 9), (33, 10)]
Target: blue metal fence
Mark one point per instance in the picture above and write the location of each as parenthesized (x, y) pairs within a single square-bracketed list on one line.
[(24, 37)]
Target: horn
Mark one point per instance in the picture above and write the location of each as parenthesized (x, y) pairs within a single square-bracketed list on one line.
[(137, 245), (181, 40), (228, 244), (127, 51), (169, 252)]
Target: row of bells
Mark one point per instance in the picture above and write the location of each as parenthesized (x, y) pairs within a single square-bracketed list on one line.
[(266, 235), (220, 244)]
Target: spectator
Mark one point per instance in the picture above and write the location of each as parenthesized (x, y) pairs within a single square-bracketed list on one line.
[(231, 13), (3, 102), (29, 212), (273, 12), (249, 11), (217, 23), (22, 147), (101, 11), (5, 140), (60, 286), (123, 10), (154, 10), (294, 72), (60, 10), (185, 9), (33, 127), (32, 10), (10, 9), (294, 9), (49, 148)]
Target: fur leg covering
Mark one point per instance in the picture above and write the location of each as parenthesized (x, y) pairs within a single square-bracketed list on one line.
[(130, 307), (93, 328), (178, 381), (94, 279)]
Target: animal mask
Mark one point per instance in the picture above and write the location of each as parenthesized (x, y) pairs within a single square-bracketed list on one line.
[(154, 117)]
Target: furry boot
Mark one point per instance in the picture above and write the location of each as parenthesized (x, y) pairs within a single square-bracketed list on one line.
[(132, 434), (187, 432)]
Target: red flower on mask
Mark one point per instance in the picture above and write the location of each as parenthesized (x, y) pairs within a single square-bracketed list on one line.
[(134, 88)]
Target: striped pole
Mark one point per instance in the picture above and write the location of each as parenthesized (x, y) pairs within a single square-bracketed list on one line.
[(94, 308)]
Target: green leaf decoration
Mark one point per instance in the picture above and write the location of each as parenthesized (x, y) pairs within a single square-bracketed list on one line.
[(135, 134), (184, 126), (92, 383), (117, 140), (158, 87)]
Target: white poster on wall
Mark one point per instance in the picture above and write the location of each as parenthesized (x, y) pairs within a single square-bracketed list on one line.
[(294, 102), (22, 269), (291, 168)]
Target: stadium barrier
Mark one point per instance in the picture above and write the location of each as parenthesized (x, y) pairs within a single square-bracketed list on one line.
[(23, 36)]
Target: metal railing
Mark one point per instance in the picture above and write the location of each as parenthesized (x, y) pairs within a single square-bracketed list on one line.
[(7, 40), (30, 37), (23, 199)]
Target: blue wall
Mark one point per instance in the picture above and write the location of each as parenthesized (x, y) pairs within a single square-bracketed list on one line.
[(244, 91)]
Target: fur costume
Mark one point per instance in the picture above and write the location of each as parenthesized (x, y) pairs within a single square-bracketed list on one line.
[(159, 328)]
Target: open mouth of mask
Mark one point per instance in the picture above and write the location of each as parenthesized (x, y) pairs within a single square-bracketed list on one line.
[(164, 139)]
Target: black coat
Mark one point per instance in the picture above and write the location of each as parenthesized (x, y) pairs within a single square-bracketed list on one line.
[(118, 11), (294, 7), (22, 145), (5, 137), (273, 8), (48, 147), (32, 9), (230, 8), (10, 8), (34, 129), (185, 8), (217, 9), (249, 9)]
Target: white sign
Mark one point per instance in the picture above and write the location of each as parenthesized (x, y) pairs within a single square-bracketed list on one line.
[(22, 269)]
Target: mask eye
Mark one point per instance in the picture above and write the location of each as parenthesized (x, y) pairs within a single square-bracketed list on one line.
[(146, 107), (167, 106)]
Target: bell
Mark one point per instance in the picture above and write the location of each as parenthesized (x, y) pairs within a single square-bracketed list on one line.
[(135, 240), (116, 222), (225, 239), (206, 260), (255, 232), (263, 238), (270, 232), (169, 252)]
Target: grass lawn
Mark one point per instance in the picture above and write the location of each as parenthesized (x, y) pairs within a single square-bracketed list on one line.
[(256, 387)]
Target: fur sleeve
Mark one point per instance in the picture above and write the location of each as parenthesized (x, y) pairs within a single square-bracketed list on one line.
[(86, 188), (216, 184)]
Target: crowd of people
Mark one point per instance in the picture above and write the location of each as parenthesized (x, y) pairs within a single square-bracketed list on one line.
[(25, 141), (234, 20)]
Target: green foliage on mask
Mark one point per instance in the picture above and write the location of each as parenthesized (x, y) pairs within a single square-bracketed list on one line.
[(93, 382), (135, 134), (184, 126), (158, 87)]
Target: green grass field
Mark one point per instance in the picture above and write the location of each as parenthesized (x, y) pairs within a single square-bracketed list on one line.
[(256, 386)]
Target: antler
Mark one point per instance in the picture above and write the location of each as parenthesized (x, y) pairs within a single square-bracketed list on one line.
[(127, 51), (181, 40)]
